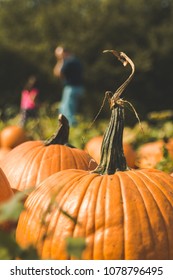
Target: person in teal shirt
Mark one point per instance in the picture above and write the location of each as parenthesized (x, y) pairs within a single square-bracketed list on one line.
[(70, 70)]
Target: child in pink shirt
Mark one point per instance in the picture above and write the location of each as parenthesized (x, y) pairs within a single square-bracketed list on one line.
[(28, 104)]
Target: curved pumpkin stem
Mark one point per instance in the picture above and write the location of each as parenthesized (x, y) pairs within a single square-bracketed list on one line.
[(62, 135), (112, 154), (125, 61)]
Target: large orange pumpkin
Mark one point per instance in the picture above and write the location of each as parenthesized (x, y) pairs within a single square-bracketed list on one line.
[(121, 213), (11, 136), (31, 162), (128, 215), (93, 147)]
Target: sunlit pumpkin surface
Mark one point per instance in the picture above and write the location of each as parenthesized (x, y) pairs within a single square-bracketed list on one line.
[(30, 163), (127, 215)]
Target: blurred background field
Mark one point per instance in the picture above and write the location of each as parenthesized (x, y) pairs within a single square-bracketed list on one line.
[(156, 126), (30, 31)]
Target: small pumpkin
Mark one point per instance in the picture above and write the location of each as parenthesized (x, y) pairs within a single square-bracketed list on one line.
[(122, 213), (31, 162), (93, 147), (151, 153), (12, 135)]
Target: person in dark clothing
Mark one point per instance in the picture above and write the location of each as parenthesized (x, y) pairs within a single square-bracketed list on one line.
[(70, 70)]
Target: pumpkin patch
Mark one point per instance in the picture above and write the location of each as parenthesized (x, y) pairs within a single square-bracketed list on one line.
[(123, 213)]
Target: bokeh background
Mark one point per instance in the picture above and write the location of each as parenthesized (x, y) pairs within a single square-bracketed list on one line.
[(31, 29)]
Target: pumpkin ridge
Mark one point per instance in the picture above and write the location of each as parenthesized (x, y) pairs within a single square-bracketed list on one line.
[(122, 204), (167, 195), (52, 165), (25, 167), (130, 227), (122, 186), (134, 176), (106, 184), (33, 157), (78, 157), (72, 155), (102, 226), (159, 185), (86, 227), (61, 202), (159, 206), (76, 227), (39, 210), (28, 215), (52, 151), (55, 225), (62, 152), (89, 189), (166, 191), (90, 230), (48, 231), (43, 152), (42, 229)]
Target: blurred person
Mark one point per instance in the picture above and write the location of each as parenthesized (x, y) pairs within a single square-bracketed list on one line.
[(70, 70), (29, 101)]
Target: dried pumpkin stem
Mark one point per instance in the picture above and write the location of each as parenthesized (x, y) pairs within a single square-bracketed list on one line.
[(112, 154), (62, 135), (125, 61)]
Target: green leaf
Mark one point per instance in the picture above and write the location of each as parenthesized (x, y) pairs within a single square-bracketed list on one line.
[(10, 210), (75, 246), (166, 164), (9, 249)]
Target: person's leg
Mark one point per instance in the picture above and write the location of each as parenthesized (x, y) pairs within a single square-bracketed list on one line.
[(23, 118), (67, 106), (69, 103), (78, 92), (64, 101)]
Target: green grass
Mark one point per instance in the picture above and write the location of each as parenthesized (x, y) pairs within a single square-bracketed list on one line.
[(156, 127)]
